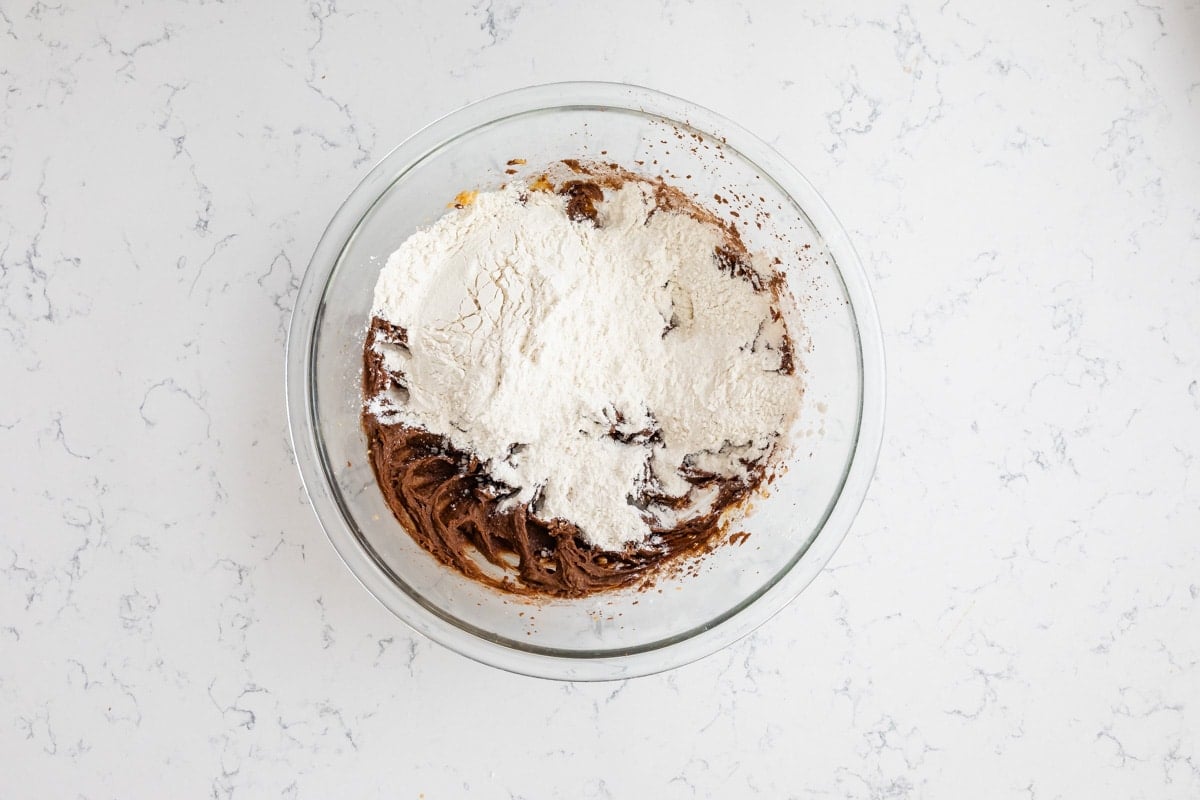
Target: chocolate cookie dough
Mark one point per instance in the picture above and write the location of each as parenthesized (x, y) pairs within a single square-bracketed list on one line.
[(454, 509)]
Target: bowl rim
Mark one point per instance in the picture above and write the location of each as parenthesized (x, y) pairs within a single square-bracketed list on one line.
[(300, 390)]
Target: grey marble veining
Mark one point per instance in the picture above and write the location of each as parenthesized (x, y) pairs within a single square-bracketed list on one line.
[(1016, 612)]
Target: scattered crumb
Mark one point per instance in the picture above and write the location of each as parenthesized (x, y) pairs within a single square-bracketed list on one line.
[(464, 199)]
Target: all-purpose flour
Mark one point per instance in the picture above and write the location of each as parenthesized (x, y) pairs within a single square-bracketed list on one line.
[(584, 362)]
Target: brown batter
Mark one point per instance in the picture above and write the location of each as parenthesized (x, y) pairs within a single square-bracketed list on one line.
[(447, 502)]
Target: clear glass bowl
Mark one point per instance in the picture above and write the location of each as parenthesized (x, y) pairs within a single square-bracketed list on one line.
[(793, 531)]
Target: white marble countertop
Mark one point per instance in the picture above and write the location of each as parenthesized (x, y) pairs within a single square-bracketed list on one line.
[(1016, 612)]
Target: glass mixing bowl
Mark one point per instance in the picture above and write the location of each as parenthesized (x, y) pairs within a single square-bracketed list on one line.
[(793, 530)]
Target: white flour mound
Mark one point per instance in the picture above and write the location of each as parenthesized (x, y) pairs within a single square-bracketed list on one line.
[(582, 363)]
